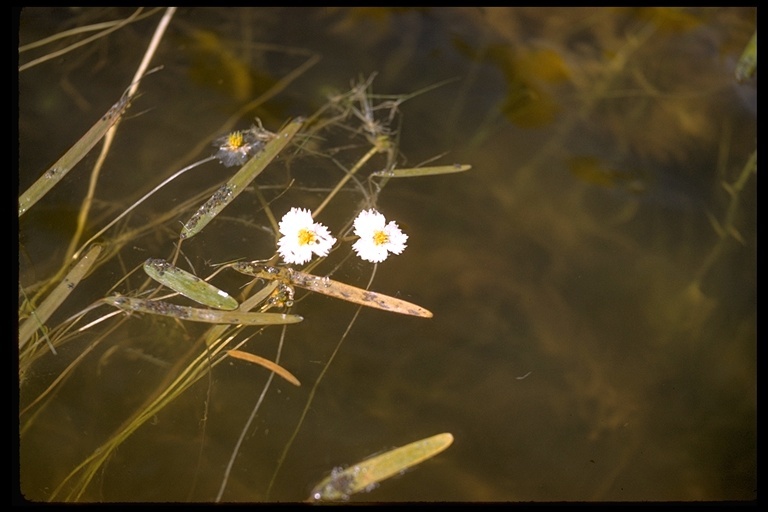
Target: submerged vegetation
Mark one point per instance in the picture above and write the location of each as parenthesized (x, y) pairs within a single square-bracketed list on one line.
[(242, 267), (353, 122)]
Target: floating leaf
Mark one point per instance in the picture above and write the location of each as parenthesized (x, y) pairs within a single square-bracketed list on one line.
[(422, 171), (332, 288), (364, 475), (188, 285), (211, 316), (76, 153)]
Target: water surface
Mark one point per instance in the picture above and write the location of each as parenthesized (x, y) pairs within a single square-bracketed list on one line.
[(594, 336)]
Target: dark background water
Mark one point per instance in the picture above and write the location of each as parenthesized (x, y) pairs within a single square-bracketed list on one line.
[(582, 347)]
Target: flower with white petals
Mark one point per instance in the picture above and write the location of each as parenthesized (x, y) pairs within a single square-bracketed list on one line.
[(377, 238), (302, 237)]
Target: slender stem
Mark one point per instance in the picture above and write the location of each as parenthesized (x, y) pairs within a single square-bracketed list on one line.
[(734, 190), (315, 386), (140, 72), (248, 423), (137, 203), (375, 149)]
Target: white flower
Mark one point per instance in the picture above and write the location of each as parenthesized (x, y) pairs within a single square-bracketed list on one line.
[(377, 239), (302, 237)]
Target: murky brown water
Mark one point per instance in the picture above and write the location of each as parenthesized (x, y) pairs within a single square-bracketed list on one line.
[(592, 338)]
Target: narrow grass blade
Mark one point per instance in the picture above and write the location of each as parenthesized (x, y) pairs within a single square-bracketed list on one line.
[(210, 316), (422, 171), (266, 363), (363, 476), (747, 63), (76, 153), (332, 288), (188, 285), (40, 315), (104, 28), (247, 173)]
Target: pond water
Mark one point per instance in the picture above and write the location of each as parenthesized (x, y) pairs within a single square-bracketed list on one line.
[(592, 277)]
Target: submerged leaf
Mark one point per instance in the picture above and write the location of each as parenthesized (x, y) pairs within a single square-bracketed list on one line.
[(592, 170), (40, 315), (747, 64), (266, 363), (362, 476)]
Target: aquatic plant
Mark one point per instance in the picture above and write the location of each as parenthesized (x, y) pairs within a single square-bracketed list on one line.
[(58, 331)]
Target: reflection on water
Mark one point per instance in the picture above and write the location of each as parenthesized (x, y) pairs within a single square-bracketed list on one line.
[(592, 278)]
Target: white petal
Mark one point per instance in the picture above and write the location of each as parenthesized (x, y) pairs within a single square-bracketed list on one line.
[(290, 246), (367, 250), (323, 240), (293, 253), (295, 220), (367, 225), (397, 238), (368, 221)]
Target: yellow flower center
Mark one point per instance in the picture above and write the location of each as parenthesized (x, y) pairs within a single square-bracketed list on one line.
[(306, 237), (380, 238), (235, 140)]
